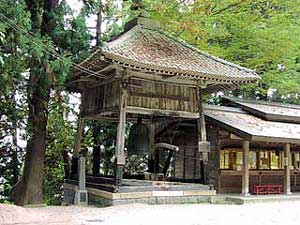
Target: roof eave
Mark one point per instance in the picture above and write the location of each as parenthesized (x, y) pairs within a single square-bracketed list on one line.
[(251, 137), (264, 115), (178, 72), (275, 139)]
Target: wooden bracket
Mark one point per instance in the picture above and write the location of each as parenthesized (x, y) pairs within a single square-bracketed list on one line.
[(167, 146)]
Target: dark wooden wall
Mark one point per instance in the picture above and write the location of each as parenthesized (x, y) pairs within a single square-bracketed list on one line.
[(102, 98), (213, 164), (187, 159), (142, 94), (163, 96)]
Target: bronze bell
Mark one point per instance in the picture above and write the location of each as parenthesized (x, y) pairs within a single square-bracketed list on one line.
[(138, 139)]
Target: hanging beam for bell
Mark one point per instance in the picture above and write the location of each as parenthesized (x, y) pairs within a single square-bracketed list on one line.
[(138, 139)]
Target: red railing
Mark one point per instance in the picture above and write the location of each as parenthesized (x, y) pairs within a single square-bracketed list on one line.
[(267, 189)]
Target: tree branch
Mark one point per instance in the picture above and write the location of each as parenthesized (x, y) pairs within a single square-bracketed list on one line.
[(228, 7)]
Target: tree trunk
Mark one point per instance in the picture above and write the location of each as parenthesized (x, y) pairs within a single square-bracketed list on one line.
[(15, 160), (96, 126), (99, 25), (29, 190)]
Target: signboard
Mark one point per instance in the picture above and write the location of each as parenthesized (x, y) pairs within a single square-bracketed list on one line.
[(204, 146)]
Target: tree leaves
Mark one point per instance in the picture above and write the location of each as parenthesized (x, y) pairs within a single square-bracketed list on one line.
[(258, 34)]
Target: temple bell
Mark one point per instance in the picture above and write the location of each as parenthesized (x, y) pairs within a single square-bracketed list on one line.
[(138, 139)]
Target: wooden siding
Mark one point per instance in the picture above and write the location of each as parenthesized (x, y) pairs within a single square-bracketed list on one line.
[(102, 98), (187, 163), (187, 159), (162, 96)]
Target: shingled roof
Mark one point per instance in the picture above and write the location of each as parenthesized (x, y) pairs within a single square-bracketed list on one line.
[(273, 111), (248, 126), (143, 46)]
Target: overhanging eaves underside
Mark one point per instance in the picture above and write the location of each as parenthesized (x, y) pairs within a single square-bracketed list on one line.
[(214, 88)]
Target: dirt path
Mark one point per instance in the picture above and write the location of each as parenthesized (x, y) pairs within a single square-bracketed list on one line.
[(284, 213)]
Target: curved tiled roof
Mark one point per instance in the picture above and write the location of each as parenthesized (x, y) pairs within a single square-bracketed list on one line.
[(144, 47), (153, 49)]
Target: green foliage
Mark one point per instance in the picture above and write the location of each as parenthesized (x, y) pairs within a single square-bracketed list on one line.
[(136, 165), (103, 134), (49, 57), (258, 34), (60, 136), (12, 65), (12, 60)]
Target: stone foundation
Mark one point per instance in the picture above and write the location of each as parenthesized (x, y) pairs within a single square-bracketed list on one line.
[(104, 198)]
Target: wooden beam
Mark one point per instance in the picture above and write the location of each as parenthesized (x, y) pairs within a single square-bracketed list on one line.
[(160, 112), (108, 68), (159, 96), (167, 146), (276, 139), (100, 81), (102, 113), (159, 78), (234, 137), (70, 83)]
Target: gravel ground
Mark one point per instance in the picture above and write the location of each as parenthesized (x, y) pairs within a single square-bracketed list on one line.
[(284, 213)]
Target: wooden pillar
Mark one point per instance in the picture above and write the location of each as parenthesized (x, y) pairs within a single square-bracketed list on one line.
[(151, 163), (77, 144), (120, 155), (245, 180), (257, 161), (202, 136), (287, 168), (201, 121), (78, 137)]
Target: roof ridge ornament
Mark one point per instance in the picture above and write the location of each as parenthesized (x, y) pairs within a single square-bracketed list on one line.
[(143, 20)]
